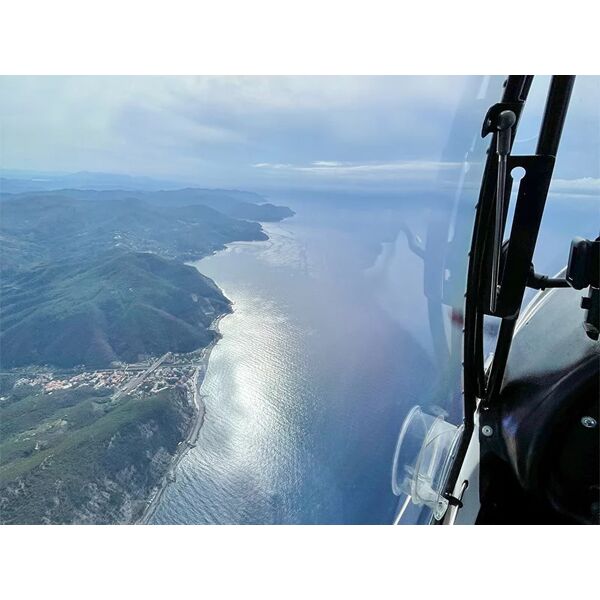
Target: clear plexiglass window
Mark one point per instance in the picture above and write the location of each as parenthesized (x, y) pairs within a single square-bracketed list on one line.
[(221, 297)]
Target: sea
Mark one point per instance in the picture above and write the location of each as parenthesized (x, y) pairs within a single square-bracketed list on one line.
[(332, 340)]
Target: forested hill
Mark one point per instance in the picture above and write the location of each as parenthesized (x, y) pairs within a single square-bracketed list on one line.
[(120, 306), (40, 228), (92, 277), (233, 203)]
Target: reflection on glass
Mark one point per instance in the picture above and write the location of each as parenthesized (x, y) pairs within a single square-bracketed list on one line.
[(223, 296)]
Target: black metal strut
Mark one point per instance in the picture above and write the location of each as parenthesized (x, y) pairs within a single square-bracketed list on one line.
[(498, 271)]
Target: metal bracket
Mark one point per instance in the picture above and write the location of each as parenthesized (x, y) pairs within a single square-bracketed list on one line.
[(491, 118), (518, 251)]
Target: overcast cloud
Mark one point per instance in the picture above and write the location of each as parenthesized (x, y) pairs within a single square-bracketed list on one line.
[(271, 131)]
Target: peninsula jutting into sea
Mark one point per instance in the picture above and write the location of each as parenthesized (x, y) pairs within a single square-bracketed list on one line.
[(105, 335)]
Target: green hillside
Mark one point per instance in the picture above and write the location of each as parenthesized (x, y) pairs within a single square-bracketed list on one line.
[(72, 457), (119, 306), (92, 277), (89, 279), (39, 228)]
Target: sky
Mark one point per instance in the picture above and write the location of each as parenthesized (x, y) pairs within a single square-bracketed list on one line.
[(262, 132)]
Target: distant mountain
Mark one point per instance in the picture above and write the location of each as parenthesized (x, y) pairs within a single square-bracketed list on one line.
[(235, 204), (36, 228), (15, 181), (118, 306), (231, 203), (90, 277)]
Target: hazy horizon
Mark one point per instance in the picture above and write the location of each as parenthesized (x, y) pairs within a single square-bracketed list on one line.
[(369, 133)]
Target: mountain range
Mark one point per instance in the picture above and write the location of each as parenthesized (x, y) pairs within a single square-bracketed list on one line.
[(91, 277)]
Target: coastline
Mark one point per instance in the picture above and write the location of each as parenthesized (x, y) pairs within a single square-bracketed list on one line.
[(191, 437)]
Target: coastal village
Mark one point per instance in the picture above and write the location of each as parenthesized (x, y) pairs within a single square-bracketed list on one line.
[(150, 376)]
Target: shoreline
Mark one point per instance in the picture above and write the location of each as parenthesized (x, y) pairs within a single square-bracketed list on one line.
[(191, 437), (189, 441)]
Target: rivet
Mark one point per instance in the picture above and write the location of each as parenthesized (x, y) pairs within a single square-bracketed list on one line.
[(589, 422)]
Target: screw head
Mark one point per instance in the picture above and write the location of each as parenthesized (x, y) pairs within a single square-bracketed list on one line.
[(589, 422), (487, 431)]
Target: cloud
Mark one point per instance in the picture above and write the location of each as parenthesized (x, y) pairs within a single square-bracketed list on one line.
[(250, 131), (273, 166), (582, 185), (338, 169), (327, 163)]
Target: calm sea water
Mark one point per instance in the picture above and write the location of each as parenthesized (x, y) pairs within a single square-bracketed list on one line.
[(306, 391), (328, 347)]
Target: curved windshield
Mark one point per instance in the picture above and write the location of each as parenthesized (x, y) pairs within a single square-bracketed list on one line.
[(221, 297), (572, 207)]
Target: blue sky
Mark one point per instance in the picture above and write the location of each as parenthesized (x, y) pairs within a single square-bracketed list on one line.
[(261, 132)]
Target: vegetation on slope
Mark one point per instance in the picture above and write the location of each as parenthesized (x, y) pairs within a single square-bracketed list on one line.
[(75, 457), (88, 278), (119, 306)]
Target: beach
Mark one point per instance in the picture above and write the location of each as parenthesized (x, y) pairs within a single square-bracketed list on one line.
[(191, 438)]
